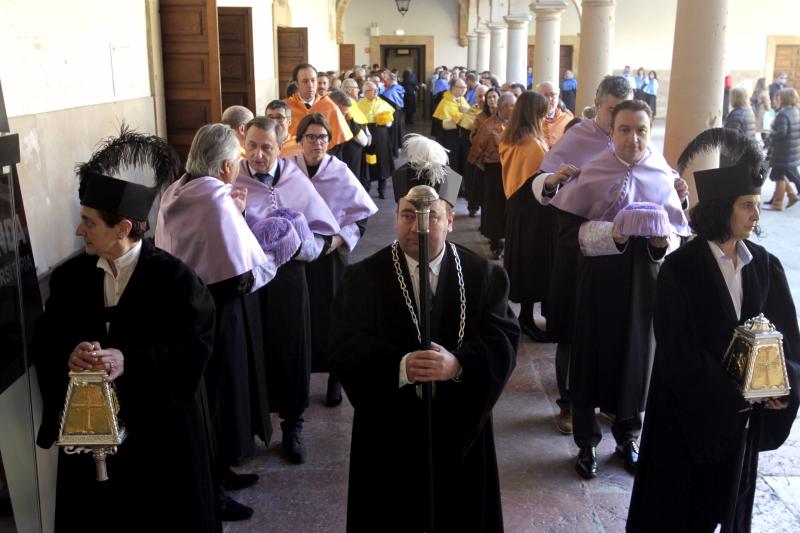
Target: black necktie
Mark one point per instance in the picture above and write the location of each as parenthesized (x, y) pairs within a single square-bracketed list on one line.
[(264, 178), (308, 106)]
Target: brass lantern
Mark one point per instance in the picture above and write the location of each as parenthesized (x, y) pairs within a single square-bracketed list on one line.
[(89, 421), (755, 360)]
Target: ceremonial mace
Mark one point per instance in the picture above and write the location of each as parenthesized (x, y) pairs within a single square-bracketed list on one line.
[(422, 197)]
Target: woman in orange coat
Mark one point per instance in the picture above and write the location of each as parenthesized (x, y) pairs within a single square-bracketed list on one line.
[(530, 227)]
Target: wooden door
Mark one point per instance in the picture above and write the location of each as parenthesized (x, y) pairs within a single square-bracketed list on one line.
[(347, 56), (531, 49), (190, 48), (236, 57), (564, 60), (292, 50), (787, 59)]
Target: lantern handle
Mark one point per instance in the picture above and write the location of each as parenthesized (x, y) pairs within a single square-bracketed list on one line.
[(759, 324)]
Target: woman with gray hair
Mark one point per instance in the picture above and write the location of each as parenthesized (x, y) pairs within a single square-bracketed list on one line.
[(201, 223)]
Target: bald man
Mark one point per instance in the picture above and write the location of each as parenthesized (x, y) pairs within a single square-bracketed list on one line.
[(236, 116), (556, 119)]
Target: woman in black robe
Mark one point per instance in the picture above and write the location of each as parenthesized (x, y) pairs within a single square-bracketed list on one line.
[(695, 413), (153, 335), (352, 151)]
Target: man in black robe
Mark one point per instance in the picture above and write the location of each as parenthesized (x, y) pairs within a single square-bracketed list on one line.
[(143, 316), (376, 355), (695, 412), (615, 284)]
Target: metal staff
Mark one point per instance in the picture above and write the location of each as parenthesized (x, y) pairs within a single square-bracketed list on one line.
[(422, 197)]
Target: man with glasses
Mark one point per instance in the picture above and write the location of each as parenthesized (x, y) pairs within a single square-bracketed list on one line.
[(446, 117), (274, 183), (556, 120)]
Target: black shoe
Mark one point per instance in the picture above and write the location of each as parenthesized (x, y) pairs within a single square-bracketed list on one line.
[(294, 448), (234, 481), (629, 453), (532, 330), (233, 511), (333, 397), (382, 196), (473, 212), (586, 465)]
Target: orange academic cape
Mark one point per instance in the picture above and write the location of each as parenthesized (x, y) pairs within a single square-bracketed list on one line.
[(554, 127), (520, 162), (340, 131)]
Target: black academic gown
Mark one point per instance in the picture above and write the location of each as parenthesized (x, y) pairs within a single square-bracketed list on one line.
[(472, 192), (164, 327), (286, 316), (396, 129), (236, 375), (693, 424), (612, 350), (530, 242), (563, 278), (493, 203), (324, 276), (352, 154), (381, 148), (371, 331)]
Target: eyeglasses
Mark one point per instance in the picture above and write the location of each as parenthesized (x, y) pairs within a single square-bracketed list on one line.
[(316, 139)]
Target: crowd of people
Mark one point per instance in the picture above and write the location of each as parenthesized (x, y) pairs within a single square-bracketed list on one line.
[(246, 290)]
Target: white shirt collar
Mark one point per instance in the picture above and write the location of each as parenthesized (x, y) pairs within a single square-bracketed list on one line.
[(435, 263), (742, 254), (124, 262)]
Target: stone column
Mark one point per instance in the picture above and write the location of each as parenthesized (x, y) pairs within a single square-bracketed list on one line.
[(517, 58), (597, 41), (483, 50), (497, 55), (696, 80), (472, 50), (547, 51)]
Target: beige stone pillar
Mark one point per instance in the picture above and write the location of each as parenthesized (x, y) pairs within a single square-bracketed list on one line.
[(696, 79), (597, 41), (497, 54), (472, 50), (517, 58), (483, 50), (547, 51)]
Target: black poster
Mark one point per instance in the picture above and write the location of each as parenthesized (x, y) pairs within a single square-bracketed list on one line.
[(20, 300)]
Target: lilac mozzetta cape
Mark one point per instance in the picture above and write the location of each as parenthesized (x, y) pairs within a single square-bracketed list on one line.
[(293, 190), (338, 186), (577, 146), (198, 223), (606, 185)]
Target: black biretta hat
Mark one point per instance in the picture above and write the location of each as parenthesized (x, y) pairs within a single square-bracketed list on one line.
[(99, 190), (119, 197), (745, 177), (427, 165)]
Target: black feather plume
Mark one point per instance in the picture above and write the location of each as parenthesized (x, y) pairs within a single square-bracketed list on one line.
[(133, 149), (733, 144)]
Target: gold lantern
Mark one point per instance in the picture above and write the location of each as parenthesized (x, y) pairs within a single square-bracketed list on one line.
[(755, 360), (89, 421)]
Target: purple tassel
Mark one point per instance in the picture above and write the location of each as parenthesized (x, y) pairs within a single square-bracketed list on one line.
[(278, 237), (297, 219), (643, 219)]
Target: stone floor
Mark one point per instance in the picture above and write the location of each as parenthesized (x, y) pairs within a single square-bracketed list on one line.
[(541, 492)]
